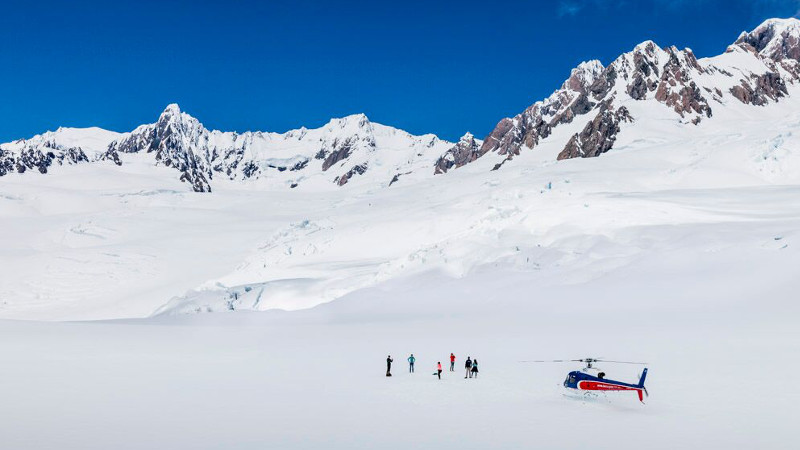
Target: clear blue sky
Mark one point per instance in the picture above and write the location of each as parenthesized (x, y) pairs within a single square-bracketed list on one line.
[(440, 67)]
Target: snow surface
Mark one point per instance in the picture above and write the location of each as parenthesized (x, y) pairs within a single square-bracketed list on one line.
[(713, 314)]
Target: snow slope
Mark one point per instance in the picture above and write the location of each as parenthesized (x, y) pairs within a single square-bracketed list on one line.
[(714, 316), (94, 242)]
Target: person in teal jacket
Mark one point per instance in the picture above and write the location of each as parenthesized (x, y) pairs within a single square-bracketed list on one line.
[(411, 360)]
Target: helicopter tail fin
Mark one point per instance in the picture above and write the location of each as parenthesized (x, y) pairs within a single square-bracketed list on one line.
[(640, 387)]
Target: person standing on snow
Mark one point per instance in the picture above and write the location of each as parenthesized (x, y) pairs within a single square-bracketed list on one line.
[(411, 360), (439, 369), (474, 368), (468, 366), (389, 361), (452, 362)]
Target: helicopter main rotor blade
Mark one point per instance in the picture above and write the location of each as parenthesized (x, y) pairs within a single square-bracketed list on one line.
[(619, 362), (586, 360), (548, 360)]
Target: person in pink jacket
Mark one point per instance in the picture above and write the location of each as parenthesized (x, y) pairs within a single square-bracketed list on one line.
[(439, 370)]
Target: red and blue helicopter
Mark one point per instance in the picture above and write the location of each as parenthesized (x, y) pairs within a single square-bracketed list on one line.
[(591, 378)]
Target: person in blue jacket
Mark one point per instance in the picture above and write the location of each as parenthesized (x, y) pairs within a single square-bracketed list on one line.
[(411, 360)]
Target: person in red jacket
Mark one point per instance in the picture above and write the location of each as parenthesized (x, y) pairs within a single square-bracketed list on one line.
[(452, 362)]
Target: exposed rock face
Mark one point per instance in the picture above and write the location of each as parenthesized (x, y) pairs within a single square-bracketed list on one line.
[(465, 151), (776, 39), (177, 140), (646, 73), (340, 150), (760, 89), (677, 89), (776, 43), (38, 156), (356, 170), (343, 146), (669, 74), (667, 77), (533, 124), (598, 136)]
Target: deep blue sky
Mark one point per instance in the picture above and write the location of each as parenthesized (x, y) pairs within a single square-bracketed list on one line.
[(440, 67)]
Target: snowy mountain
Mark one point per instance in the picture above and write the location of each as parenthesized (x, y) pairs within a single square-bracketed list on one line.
[(60, 147), (336, 154), (601, 102), (755, 70)]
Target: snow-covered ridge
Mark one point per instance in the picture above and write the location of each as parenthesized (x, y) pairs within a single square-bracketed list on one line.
[(585, 117), (345, 150), (335, 154), (63, 146), (601, 102)]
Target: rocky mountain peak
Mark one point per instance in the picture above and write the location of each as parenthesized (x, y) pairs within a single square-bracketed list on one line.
[(466, 150), (172, 114), (583, 76), (467, 137), (777, 39), (172, 108), (647, 47), (352, 122)]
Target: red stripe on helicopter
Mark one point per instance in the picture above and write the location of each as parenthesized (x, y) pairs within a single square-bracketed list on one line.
[(600, 386)]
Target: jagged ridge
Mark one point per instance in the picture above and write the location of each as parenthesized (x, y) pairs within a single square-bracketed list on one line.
[(666, 76)]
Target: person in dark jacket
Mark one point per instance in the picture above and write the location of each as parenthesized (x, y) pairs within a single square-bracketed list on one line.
[(389, 361), (411, 361), (475, 368), (468, 366)]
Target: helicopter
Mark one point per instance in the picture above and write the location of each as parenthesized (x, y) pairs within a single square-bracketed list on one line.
[(591, 378)]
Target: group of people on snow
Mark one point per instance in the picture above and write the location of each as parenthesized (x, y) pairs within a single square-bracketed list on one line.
[(471, 366)]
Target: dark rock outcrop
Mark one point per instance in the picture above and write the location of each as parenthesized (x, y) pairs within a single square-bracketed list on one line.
[(647, 73), (356, 170), (676, 87), (776, 39), (39, 158), (174, 139), (598, 136), (465, 151), (341, 151), (760, 89), (535, 123)]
